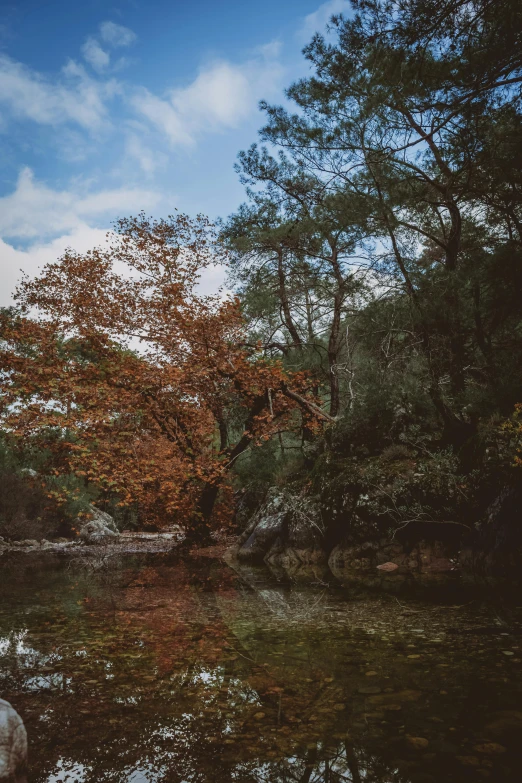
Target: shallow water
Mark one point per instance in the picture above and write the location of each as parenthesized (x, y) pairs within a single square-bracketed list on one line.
[(147, 669)]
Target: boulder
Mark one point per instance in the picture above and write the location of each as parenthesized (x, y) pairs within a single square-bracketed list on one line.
[(29, 472), (99, 529), (267, 525), (302, 543), (286, 531), (13, 745), (497, 549)]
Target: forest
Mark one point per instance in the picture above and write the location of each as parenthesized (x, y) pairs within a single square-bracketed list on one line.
[(272, 533), (361, 366)]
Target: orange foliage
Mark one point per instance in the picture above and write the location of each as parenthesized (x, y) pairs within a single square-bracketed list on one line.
[(130, 375)]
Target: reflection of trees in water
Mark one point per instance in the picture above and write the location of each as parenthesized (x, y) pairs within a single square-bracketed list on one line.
[(128, 669), (293, 607), (200, 677), (344, 764)]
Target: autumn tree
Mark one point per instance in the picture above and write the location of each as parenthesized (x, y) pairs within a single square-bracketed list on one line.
[(137, 381)]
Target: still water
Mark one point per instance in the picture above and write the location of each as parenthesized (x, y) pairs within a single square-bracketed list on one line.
[(150, 668)]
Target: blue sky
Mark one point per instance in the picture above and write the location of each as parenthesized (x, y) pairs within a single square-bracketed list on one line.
[(109, 108)]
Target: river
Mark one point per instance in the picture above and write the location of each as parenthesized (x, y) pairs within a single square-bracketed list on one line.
[(149, 668)]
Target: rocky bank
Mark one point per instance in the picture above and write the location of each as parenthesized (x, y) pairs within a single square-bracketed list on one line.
[(292, 533)]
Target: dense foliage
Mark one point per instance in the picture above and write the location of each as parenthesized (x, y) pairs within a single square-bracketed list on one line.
[(381, 247), (135, 382), (377, 263)]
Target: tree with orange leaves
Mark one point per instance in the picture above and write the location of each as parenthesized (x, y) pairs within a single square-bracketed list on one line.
[(131, 377)]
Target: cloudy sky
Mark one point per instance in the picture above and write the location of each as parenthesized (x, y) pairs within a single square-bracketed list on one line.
[(109, 108)]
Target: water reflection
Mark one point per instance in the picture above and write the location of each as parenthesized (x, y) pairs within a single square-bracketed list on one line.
[(157, 670)]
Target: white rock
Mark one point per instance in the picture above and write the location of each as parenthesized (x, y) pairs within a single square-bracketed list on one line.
[(99, 529), (13, 744)]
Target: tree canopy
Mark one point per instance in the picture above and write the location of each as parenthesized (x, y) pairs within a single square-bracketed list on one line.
[(376, 266), (134, 379), (396, 179)]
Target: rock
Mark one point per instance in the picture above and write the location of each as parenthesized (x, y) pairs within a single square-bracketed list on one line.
[(392, 698), (417, 742), (425, 560), (498, 549), (490, 748), (29, 542), (100, 529), (469, 761), (285, 532), (388, 567), (505, 725), (304, 537), (13, 744), (266, 526), (434, 557), (29, 472)]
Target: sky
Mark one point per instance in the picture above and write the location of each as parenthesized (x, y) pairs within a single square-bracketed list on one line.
[(108, 108)]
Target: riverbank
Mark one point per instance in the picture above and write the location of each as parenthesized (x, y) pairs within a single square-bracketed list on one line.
[(333, 535), (126, 543)]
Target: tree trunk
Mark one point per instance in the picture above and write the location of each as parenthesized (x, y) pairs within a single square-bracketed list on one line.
[(333, 350), (200, 527), (285, 306)]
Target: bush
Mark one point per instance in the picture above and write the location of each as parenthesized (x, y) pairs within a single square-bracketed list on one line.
[(32, 502), (395, 453), (23, 509)]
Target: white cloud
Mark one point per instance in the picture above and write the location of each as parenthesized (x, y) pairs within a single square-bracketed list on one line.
[(162, 115), (54, 220), (317, 21), (34, 210), (15, 262), (116, 34), (72, 97), (97, 57), (222, 96), (212, 280), (219, 94), (148, 160)]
